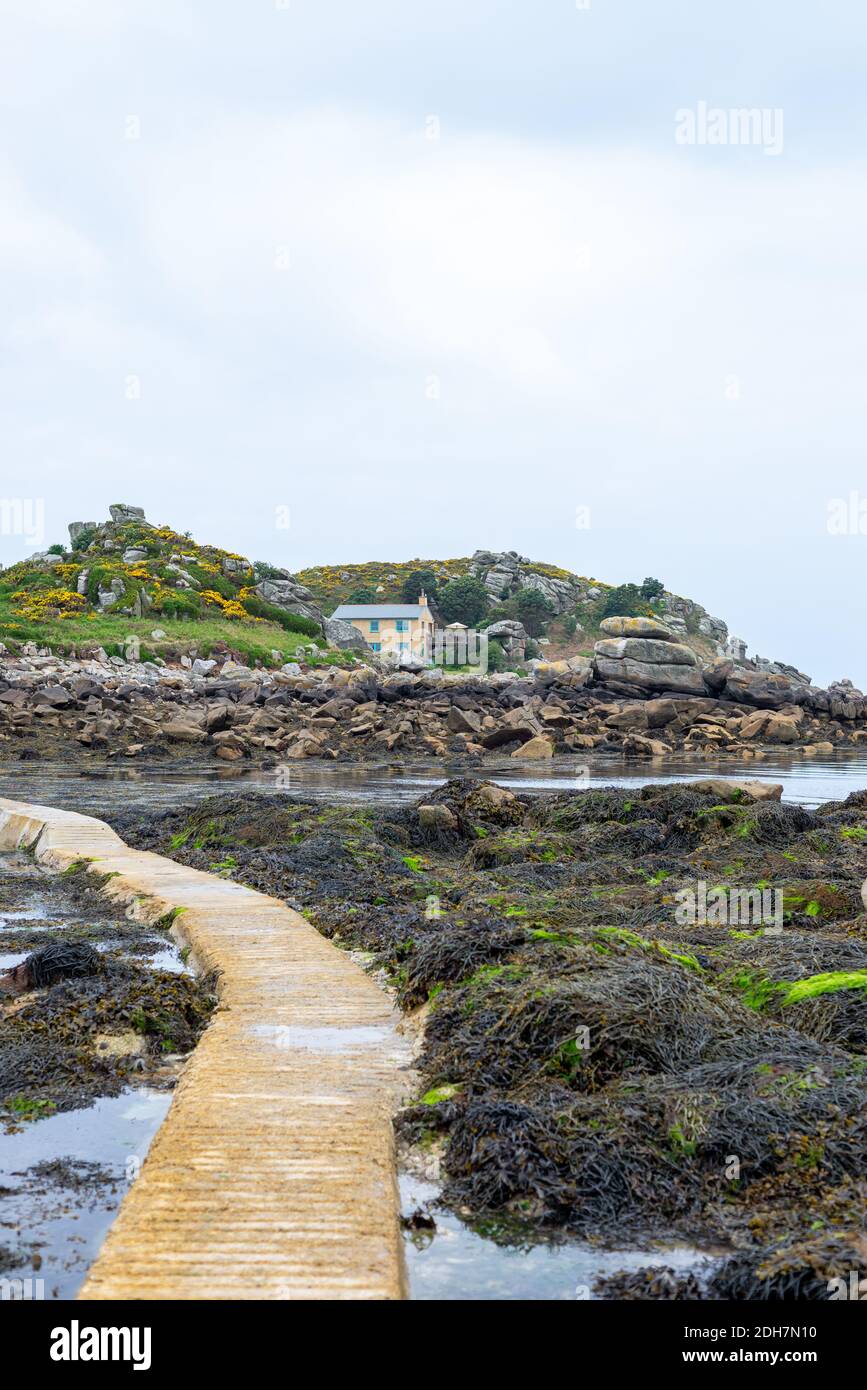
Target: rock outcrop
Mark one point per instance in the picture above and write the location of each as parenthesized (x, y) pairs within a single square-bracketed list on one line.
[(343, 635), (643, 654), (287, 592), (158, 557), (512, 637)]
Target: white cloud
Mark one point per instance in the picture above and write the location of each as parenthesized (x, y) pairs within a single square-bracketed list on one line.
[(37, 242), (582, 306)]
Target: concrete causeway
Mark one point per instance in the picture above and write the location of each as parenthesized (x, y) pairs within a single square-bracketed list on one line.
[(273, 1175)]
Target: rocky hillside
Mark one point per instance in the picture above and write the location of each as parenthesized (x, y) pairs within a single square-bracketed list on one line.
[(126, 579), (506, 574), (126, 569)]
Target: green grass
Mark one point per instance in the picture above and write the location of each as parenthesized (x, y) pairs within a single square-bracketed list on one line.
[(253, 641)]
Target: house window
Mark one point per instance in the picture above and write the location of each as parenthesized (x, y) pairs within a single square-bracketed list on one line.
[(374, 624), (404, 646), (376, 646), (402, 625)]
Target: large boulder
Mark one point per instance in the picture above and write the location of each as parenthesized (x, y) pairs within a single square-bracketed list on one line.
[(291, 595), (342, 634), (181, 729), (463, 721), (574, 671), (844, 690), (770, 727), (505, 572), (760, 688), (512, 637), (646, 649), (643, 654), (535, 748), (560, 593), (121, 513), (632, 717), (646, 675), (637, 627), (660, 712), (730, 789), (717, 673)]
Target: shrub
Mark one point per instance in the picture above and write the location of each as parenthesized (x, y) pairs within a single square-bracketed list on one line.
[(174, 604), (625, 601), (290, 622), (211, 580), (84, 538), (652, 588), (497, 660), (38, 604), (464, 600), (415, 582), (262, 570), (56, 550), (532, 609), (362, 596)]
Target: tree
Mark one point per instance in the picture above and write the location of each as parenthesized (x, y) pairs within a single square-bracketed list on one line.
[(361, 596), (623, 602), (463, 601), (652, 588), (415, 582), (533, 609)]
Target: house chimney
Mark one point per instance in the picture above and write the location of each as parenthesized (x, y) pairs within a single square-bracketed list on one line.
[(422, 598)]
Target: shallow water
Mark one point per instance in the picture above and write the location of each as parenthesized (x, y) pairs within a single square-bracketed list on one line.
[(53, 1219), (98, 790), (57, 1221), (457, 1263)]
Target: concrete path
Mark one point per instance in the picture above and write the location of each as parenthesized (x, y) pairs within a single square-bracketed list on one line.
[(273, 1175)]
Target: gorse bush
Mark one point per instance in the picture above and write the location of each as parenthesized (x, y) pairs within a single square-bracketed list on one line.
[(171, 603)]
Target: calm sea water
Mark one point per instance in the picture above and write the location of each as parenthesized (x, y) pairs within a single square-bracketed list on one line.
[(95, 791)]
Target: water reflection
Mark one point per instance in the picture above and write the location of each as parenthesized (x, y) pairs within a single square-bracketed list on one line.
[(96, 790)]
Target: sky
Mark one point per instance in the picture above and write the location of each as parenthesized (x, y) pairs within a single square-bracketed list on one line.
[(327, 281)]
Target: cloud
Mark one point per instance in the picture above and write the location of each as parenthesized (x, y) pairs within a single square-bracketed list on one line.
[(36, 242), (548, 267), (291, 273)]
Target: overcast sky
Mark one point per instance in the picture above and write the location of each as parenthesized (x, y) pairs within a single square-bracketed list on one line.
[(437, 276)]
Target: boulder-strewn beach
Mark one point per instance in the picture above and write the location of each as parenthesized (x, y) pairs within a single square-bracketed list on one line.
[(87, 710)]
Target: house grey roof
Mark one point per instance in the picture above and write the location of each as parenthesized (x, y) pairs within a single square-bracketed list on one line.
[(379, 610)]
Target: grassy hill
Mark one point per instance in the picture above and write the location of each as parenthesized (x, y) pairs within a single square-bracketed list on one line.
[(334, 584), (124, 578)]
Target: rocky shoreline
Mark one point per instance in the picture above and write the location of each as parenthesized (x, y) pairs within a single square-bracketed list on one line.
[(58, 708)]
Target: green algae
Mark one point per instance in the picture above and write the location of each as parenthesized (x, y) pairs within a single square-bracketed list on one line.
[(827, 983)]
